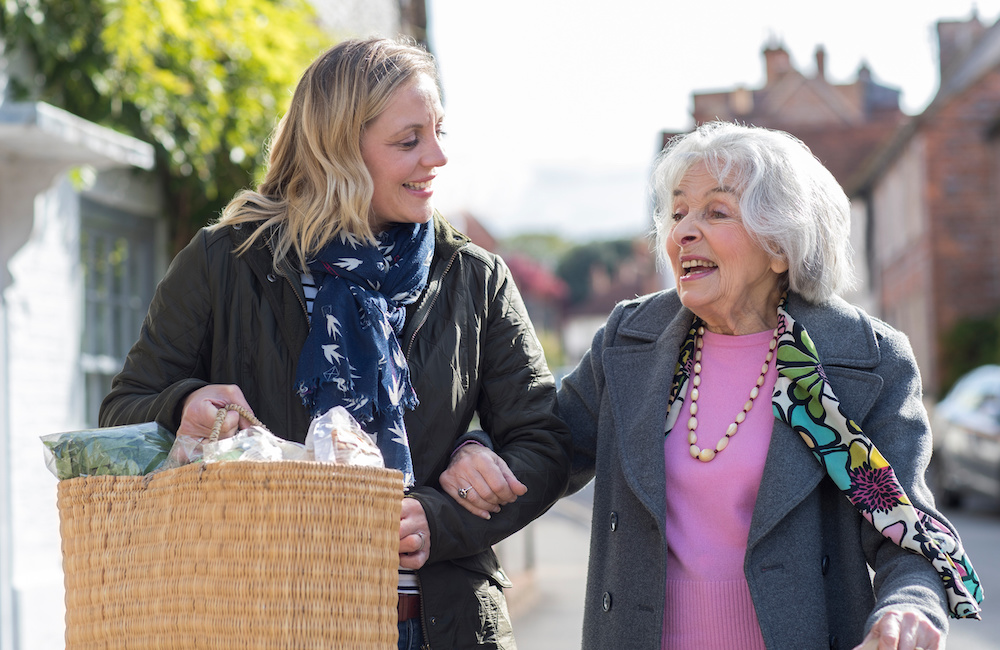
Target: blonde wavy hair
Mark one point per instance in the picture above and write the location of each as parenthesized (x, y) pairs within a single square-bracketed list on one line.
[(316, 186)]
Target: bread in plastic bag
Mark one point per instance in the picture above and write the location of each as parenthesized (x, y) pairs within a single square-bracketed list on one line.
[(127, 450), (336, 437)]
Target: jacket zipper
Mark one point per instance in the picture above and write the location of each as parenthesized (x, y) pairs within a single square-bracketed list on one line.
[(426, 645), (425, 312), (289, 281)]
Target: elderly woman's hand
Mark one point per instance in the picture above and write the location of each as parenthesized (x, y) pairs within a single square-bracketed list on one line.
[(903, 631), (480, 481)]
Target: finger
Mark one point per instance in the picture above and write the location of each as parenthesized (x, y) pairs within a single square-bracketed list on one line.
[(504, 488), (230, 425), (475, 504), (887, 631), (516, 486), (411, 543), (870, 643), (421, 549), (489, 489), (414, 560)]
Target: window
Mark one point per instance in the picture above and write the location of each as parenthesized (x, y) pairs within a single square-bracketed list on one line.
[(117, 256)]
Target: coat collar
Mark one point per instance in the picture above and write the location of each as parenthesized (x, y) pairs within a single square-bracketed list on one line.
[(640, 368)]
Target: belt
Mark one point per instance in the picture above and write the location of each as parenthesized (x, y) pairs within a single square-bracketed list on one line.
[(408, 607)]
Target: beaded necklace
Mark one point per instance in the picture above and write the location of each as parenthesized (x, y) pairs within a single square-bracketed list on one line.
[(707, 454)]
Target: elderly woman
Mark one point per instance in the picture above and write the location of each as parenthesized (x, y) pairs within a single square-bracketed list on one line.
[(713, 524)]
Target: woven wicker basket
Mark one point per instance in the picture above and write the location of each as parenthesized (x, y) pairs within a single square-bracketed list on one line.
[(232, 555)]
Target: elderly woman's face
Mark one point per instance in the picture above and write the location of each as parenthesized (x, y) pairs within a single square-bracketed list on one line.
[(722, 274), (402, 150)]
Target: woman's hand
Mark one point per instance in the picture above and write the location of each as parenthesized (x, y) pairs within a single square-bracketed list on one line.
[(202, 406), (414, 535), (480, 481), (903, 631)]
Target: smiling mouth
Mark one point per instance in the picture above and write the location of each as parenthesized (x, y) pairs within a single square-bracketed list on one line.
[(691, 267), (425, 185)]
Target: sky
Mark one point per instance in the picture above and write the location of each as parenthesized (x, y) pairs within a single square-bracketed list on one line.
[(554, 108)]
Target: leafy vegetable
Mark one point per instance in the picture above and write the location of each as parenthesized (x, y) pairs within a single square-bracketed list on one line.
[(129, 450)]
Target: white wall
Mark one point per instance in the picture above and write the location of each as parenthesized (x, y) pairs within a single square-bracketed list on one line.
[(44, 323), (45, 317)]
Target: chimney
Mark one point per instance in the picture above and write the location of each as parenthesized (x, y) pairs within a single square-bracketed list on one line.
[(955, 40), (776, 62), (821, 63)]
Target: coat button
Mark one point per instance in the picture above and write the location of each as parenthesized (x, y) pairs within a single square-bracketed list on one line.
[(432, 620), (614, 521), (237, 226), (825, 564), (607, 601), (271, 277), (834, 643)]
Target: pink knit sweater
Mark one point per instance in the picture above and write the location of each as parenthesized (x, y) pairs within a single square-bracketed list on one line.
[(709, 505)]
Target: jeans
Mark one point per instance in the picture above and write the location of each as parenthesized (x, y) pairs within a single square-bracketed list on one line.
[(411, 635)]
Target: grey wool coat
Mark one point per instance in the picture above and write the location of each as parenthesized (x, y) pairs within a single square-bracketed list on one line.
[(809, 550)]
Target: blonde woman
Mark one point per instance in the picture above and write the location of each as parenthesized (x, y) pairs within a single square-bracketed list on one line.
[(336, 283)]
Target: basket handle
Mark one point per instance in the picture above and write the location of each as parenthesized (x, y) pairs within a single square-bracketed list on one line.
[(221, 416)]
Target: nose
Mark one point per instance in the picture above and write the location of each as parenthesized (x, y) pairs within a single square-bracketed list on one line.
[(685, 231), (435, 155)]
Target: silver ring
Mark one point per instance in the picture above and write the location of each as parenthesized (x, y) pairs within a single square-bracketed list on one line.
[(464, 492), (422, 542)]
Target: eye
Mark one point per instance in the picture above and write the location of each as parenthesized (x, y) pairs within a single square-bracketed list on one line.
[(410, 144)]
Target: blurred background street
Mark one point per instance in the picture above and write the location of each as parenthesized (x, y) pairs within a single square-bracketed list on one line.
[(127, 125)]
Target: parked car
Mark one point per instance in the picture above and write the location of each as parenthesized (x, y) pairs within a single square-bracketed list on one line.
[(967, 437)]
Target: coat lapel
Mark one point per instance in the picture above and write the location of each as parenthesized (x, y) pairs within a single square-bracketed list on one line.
[(848, 351), (639, 374), (790, 474)]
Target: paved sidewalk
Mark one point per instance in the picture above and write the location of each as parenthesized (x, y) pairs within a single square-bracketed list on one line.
[(547, 601)]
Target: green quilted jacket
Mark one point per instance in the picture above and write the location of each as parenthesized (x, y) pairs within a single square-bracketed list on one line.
[(222, 319)]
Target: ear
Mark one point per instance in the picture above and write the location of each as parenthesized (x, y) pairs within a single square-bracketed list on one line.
[(779, 265)]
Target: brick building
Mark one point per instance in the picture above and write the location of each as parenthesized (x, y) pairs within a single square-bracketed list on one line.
[(842, 123), (929, 205)]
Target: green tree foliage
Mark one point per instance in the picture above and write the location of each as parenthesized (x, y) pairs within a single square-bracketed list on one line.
[(545, 248), (575, 267), (204, 81), (969, 344)]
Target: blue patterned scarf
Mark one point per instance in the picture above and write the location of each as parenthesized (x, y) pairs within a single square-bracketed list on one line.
[(804, 400), (352, 356)]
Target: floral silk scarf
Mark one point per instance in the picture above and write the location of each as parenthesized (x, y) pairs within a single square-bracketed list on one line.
[(804, 400)]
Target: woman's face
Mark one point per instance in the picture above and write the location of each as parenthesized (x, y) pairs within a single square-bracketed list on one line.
[(402, 150), (722, 274)]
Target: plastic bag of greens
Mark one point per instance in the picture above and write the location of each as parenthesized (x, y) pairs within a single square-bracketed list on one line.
[(253, 443), (129, 450)]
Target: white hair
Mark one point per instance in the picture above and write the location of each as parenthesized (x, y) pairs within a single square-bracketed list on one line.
[(790, 203)]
